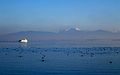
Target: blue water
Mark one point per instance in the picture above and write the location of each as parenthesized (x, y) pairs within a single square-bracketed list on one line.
[(60, 58)]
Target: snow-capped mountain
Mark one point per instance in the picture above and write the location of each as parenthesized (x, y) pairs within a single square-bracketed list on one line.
[(71, 33)]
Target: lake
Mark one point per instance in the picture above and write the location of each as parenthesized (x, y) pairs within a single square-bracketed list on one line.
[(88, 57)]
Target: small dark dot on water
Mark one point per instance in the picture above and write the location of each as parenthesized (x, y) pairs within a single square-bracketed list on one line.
[(5, 53), (45, 50), (81, 55), (92, 53), (43, 60), (110, 62), (20, 56), (74, 52), (14, 49), (33, 51), (42, 57), (67, 54)]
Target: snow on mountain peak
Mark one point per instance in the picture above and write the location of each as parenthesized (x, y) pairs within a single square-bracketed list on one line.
[(77, 29)]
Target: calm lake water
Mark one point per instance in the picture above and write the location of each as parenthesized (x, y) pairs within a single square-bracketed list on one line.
[(88, 57)]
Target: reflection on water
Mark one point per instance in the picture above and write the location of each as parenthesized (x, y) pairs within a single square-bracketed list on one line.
[(58, 59), (23, 44)]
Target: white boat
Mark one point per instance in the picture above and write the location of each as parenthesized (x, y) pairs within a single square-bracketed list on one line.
[(23, 40)]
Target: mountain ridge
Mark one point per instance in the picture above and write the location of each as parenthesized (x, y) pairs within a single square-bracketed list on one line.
[(69, 34)]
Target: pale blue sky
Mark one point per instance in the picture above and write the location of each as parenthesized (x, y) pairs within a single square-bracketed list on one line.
[(55, 15)]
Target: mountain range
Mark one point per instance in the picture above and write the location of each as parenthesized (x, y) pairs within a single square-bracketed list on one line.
[(72, 33)]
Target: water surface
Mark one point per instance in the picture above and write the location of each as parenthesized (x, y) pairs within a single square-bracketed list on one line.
[(60, 58)]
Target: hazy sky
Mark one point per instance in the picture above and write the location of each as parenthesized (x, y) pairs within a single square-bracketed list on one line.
[(55, 15)]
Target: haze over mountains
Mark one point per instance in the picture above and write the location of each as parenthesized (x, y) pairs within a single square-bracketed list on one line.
[(68, 34)]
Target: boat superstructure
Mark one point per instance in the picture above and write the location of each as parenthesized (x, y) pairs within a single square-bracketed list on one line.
[(23, 40)]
